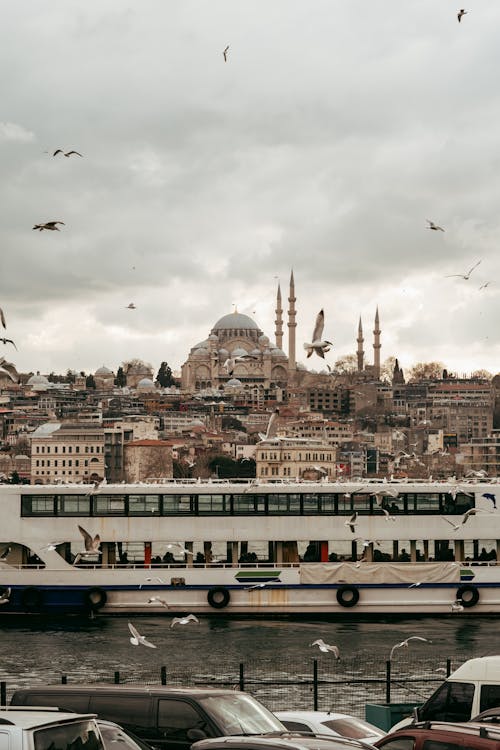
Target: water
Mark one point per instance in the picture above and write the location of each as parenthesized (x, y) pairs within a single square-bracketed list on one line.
[(272, 651)]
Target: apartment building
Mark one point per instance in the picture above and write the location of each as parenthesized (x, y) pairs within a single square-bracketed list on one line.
[(67, 453), (295, 458)]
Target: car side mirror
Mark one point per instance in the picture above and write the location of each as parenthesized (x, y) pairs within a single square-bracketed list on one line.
[(196, 734)]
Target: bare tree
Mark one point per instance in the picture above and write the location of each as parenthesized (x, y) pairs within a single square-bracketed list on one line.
[(426, 371)]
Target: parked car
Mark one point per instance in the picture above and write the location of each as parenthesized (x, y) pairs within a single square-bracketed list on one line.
[(491, 716), (321, 722), (282, 741), (169, 718), (45, 728), (115, 737), (442, 735)]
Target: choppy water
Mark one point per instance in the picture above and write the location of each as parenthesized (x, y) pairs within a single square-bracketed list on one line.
[(272, 651)]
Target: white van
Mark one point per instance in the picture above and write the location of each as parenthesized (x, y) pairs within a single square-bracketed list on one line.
[(472, 688)]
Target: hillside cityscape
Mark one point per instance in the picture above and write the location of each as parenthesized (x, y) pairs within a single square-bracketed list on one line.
[(242, 407)]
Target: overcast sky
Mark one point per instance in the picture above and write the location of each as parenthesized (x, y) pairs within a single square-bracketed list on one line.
[(330, 135)]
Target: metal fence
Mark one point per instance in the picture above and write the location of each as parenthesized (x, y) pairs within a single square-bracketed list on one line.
[(346, 685)]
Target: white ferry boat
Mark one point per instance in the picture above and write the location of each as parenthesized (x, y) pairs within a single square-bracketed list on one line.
[(297, 548)]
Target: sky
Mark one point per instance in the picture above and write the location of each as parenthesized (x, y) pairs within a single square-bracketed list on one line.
[(335, 129)]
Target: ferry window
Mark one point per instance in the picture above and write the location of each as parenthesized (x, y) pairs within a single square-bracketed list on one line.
[(144, 505), (310, 503), (109, 505), (282, 503), (73, 505), (213, 504), (177, 504), (328, 503), (249, 504), (362, 503), (345, 503), (37, 505), (423, 502)]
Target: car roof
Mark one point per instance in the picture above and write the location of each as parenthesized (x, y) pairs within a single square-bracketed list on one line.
[(281, 741), (38, 717), (312, 715), (143, 689), (473, 730), (490, 715)]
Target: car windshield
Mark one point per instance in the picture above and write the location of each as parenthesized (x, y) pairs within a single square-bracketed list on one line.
[(240, 714), (352, 727), (115, 738), (75, 735)]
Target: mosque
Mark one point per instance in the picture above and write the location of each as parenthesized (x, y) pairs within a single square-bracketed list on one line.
[(258, 362)]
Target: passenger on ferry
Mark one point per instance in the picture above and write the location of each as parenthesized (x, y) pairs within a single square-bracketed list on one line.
[(404, 556), (168, 558)]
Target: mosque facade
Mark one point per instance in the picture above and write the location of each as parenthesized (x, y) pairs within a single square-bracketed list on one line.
[(255, 360)]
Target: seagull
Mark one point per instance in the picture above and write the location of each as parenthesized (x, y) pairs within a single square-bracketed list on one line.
[(183, 620), (91, 545), (9, 341), (10, 369), (179, 546), (5, 553), (49, 225), (465, 517), (457, 606), (405, 644), (256, 586), (461, 12), (325, 647), (131, 306), (483, 286), (51, 546), (352, 522), (415, 585), (2, 318), (4, 598), (433, 226), (318, 345), (156, 599), (387, 515), (272, 426), (490, 496), (465, 276), (229, 365), (67, 153), (225, 53), (155, 578), (138, 638)]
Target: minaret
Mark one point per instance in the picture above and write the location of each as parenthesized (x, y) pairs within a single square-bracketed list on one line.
[(360, 352), (292, 325), (376, 347), (279, 320)]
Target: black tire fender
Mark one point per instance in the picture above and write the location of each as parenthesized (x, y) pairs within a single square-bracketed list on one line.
[(347, 596), (218, 597), (471, 594), (95, 598), (31, 599)]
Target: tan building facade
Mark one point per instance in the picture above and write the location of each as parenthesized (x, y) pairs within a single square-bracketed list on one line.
[(147, 459), (295, 459), (67, 453)]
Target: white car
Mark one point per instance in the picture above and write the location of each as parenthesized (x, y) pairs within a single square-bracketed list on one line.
[(321, 722)]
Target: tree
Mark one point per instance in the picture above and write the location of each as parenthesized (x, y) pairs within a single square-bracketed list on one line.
[(482, 374), (426, 371), (387, 369), (346, 365), (120, 379), (164, 377), (89, 381)]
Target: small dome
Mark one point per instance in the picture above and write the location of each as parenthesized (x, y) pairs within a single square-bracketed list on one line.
[(200, 353), (223, 354), (235, 320), (233, 383), (103, 372), (145, 383), (38, 380), (239, 352), (278, 352), (264, 340), (213, 337), (255, 352)]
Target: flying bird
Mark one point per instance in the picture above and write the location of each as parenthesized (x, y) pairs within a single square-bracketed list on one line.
[(272, 426), (256, 586), (149, 580), (325, 647), (433, 226), (5, 553), (131, 306), (157, 600), (51, 546), (179, 546), (4, 598), (10, 369), (91, 545), (225, 53), (137, 638), (49, 225), (8, 341), (183, 620), (405, 644), (485, 285), (2, 318), (352, 522), (317, 344), (465, 276), (461, 12), (387, 515), (66, 153), (490, 496)]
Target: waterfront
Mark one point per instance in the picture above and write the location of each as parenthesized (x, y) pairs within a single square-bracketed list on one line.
[(37, 651)]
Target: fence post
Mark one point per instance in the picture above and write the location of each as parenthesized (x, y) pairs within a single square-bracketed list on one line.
[(163, 675), (448, 667), (242, 676), (388, 681), (64, 679), (117, 678), (3, 693), (315, 684)]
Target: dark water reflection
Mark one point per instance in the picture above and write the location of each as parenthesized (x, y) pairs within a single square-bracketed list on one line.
[(272, 651)]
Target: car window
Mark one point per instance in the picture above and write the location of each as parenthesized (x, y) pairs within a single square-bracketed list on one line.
[(436, 745), (132, 710), (176, 717), (451, 702), (353, 728), (296, 726), (66, 701), (79, 735), (398, 743), (115, 738), (240, 714), (490, 697)]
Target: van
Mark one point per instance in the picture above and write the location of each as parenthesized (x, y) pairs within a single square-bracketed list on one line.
[(167, 718), (472, 688)]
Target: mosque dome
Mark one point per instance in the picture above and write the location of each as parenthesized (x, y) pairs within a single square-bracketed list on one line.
[(236, 320), (223, 354), (201, 345), (103, 372), (278, 352), (38, 381), (234, 383), (239, 352), (255, 352), (200, 352), (145, 383), (213, 337), (264, 340)]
